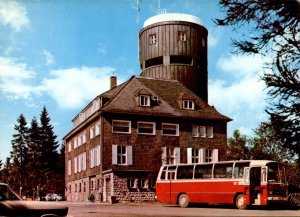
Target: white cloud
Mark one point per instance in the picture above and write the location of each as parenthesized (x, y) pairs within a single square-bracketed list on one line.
[(49, 58), (241, 96), (213, 37), (13, 78), (241, 66), (71, 88), (13, 14)]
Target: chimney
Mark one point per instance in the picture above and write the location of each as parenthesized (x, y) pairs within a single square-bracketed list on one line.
[(113, 82)]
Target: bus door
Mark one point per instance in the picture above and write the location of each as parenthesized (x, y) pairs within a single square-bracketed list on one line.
[(255, 186), (171, 177)]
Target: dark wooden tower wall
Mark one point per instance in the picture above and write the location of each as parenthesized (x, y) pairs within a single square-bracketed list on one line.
[(175, 50)]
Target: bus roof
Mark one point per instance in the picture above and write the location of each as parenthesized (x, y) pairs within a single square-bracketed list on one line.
[(251, 162)]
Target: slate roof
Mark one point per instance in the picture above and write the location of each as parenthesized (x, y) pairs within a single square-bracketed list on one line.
[(170, 93)]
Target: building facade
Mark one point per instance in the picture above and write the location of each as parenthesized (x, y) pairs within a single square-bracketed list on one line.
[(121, 138)]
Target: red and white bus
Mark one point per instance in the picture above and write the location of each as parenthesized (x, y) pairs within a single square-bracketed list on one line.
[(242, 183)]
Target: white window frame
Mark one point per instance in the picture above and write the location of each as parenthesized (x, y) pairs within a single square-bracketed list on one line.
[(92, 132), (75, 142), (203, 131), (210, 132), (69, 167), (70, 146), (188, 104), (121, 121), (97, 128), (95, 156), (170, 155), (127, 154), (143, 122), (169, 124), (144, 100), (75, 164), (205, 155)]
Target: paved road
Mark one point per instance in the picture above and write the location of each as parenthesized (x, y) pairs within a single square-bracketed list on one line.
[(136, 210)]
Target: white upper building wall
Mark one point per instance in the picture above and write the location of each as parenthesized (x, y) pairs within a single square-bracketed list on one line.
[(172, 17)]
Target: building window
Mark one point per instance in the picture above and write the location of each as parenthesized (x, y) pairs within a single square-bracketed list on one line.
[(202, 131), (170, 155), (202, 155), (95, 156), (75, 164), (181, 36), (70, 146), (121, 155), (97, 128), (92, 132), (81, 162), (170, 129), (75, 142), (133, 183), (69, 167), (147, 128), (188, 104), (144, 100), (152, 39), (121, 126), (195, 156)]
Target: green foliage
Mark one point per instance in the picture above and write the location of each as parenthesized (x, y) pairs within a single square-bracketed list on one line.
[(35, 161), (237, 149), (272, 29)]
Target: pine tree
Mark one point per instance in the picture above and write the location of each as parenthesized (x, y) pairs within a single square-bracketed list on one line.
[(35, 155), (49, 147), (19, 152)]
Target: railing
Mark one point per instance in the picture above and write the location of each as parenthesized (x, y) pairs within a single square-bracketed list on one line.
[(93, 107)]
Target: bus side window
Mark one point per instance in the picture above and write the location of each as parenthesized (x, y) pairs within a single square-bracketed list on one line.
[(185, 172), (239, 169), (163, 174), (203, 171), (223, 170)]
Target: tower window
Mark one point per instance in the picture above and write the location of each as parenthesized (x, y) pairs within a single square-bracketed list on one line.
[(152, 39), (177, 59), (181, 36), (154, 62)]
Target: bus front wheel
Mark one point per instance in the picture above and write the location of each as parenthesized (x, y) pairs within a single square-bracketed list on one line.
[(183, 201), (239, 202)]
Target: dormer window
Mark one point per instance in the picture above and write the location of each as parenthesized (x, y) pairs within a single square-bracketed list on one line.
[(188, 104), (144, 100)]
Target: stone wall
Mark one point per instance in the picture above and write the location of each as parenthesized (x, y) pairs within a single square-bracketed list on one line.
[(123, 193)]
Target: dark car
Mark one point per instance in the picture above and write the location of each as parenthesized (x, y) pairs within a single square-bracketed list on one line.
[(12, 205)]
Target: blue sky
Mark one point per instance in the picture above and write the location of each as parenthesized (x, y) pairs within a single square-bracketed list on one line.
[(61, 53)]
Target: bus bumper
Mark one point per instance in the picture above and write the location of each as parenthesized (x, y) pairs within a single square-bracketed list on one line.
[(274, 199)]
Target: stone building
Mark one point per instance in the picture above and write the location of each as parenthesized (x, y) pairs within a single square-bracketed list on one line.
[(122, 137)]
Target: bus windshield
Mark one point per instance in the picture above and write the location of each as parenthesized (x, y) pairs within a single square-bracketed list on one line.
[(276, 173)]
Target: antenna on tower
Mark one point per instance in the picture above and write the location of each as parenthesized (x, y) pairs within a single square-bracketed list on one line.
[(159, 9), (138, 4)]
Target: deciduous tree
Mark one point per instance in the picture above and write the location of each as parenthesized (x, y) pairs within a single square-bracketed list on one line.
[(271, 28)]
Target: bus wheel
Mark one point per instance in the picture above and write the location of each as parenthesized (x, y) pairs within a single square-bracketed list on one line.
[(183, 201), (239, 202)]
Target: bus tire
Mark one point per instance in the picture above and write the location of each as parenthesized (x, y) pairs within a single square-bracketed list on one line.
[(183, 201), (239, 202)]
